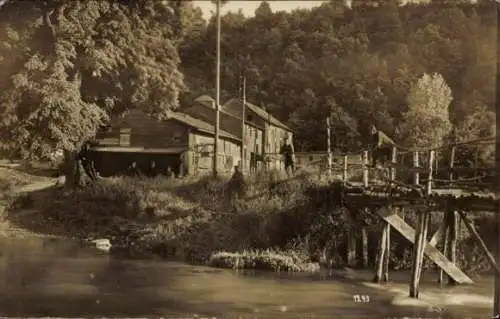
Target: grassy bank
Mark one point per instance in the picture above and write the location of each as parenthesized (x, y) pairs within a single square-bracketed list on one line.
[(280, 226)]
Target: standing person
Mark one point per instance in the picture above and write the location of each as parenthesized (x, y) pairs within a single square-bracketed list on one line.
[(85, 157), (152, 169), (382, 146), (288, 156), (133, 170), (236, 184)]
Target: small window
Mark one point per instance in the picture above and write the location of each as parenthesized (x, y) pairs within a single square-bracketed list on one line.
[(124, 137), (311, 158), (176, 138), (249, 117)]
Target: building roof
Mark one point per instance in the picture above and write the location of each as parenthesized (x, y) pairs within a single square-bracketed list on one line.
[(260, 112), (206, 100), (174, 150), (199, 125)]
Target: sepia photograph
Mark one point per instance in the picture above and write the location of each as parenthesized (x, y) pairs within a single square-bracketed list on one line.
[(249, 159)]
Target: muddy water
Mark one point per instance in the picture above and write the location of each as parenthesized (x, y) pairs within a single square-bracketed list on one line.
[(43, 277)]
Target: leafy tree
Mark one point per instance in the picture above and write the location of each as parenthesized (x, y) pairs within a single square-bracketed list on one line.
[(480, 124), (427, 121), (80, 63)]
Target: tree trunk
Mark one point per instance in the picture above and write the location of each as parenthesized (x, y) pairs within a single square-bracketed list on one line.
[(72, 179)]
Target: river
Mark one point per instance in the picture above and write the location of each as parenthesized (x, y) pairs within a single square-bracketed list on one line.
[(60, 278)]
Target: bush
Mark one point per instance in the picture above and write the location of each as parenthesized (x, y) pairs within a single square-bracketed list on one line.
[(198, 217)]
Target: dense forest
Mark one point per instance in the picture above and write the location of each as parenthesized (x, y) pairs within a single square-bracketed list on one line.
[(425, 73)]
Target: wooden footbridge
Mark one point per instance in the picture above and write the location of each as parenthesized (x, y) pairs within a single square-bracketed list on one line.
[(422, 186)]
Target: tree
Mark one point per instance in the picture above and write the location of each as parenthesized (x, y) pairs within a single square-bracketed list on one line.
[(77, 63), (427, 121), (479, 124)]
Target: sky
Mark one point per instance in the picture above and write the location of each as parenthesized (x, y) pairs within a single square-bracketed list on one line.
[(248, 7)]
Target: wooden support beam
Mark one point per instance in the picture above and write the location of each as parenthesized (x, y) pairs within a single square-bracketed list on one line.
[(417, 249), (380, 257), (364, 245), (444, 237), (451, 242), (426, 222), (480, 241), (438, 235), (351, 248), (365, 168), (328, 145), (387, 254), (344, 173), (430, 251), (421, 236), (387, 226), (416, 175)]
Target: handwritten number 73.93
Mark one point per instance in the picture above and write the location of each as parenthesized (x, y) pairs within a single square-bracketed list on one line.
[(361, 298)]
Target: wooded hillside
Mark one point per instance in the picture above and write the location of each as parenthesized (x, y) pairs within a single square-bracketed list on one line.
[(66, 66)]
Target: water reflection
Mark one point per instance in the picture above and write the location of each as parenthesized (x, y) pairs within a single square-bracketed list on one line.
[(62, 278)]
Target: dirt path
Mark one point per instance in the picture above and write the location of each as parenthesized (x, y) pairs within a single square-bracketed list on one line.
[(7, 229)]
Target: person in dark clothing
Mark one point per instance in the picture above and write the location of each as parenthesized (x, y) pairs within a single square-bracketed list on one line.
[(152, 169), (133, 170), (237, 185), (382, 146), (288, 155), (87, 162)]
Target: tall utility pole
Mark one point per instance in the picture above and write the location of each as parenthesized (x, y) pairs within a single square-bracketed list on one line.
[(328, 145), (217, 94), (243, 116), (496, 302)]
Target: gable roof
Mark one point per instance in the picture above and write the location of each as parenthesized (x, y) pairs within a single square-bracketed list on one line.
[(259, 111), (199, 125), (206, 100)]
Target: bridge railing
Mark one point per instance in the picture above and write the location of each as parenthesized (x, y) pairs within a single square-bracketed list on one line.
[(432, 166)]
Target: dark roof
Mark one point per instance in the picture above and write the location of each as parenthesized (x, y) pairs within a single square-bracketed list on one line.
[(206, 100), (260, 112), (127, 149), (199, 124)]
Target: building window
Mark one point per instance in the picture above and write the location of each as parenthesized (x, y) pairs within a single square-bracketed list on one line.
[(176, 138), (249, 117), (124, 137)]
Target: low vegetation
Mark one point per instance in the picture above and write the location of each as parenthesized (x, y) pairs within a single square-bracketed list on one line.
[(287, 226)]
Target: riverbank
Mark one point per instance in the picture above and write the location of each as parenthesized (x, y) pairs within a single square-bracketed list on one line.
[(292, 225), (197, 220)]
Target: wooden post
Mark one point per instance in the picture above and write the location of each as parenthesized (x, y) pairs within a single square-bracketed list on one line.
[(351, 248), (243, 133), (452, 162), (496, 300), (444, 238), (387, 227), (450, 231), (451, 242), (387, 251), (380, 257), (365, 168), (394, 160), (328, 145), (364, 244), (421, 237), (217, 92), (431, 173), (344, 175), (416, 175)]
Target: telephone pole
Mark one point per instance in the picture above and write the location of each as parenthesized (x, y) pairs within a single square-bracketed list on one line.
[(496, 302), (217, 94), (243, 115), (328, 145)]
